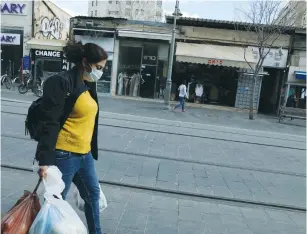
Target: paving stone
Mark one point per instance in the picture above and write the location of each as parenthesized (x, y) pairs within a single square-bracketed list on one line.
[(190, 214), (164, 217), (146, 181), (189, 227), (165, 203), (133, 220), (222, 191), (166, 185), (205, 190), (130, 180), (128, 231), (278, 215)]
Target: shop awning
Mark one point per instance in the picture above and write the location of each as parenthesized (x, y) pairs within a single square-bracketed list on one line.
[(300, 75), (44, 44), (145, 35), (232, 56)]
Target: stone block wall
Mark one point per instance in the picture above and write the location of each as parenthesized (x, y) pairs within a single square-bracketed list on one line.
[(244, 91)]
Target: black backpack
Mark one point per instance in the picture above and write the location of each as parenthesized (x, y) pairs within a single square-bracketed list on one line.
[(33, 123)]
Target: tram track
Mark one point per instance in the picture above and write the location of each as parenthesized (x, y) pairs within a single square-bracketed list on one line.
[(234, 201), (179, 124), (208, 163), (185, 134)]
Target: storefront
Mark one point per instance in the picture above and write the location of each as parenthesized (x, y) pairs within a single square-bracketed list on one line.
[(11, 51), (142, 68), (107, 43), (274, 65), (47, 57), (294, 92), (210, 72)]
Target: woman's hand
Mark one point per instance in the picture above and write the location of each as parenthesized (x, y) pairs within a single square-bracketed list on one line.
[(42, 171)]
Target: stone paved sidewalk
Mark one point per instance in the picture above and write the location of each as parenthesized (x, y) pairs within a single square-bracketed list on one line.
[(179, 176), (194, 115), (139, 212), (197, 149)]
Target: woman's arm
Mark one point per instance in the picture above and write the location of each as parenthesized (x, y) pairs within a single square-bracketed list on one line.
[(52, 109)]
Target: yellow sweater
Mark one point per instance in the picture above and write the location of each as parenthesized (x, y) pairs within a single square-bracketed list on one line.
[(76, 134)]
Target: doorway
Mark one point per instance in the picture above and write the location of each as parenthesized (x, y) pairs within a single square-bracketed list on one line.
[(149, 70), (148, 74)]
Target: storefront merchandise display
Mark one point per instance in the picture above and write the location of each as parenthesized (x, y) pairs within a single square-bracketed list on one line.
[(199, 90)]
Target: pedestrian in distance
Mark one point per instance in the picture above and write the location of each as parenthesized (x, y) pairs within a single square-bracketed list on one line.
[(182, 94), (68, 138)]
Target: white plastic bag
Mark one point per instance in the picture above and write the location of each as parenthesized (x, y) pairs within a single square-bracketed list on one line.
[(56, 216), (80, 202)]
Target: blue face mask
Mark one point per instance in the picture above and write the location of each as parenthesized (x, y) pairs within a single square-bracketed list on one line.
[(93, 76)]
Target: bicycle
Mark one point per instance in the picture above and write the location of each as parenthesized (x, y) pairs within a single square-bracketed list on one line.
[(28, 83), (6, 79)]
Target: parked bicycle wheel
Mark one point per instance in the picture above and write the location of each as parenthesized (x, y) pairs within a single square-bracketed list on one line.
[(8, 83), (38, 90), (23, 88), (3, 78)]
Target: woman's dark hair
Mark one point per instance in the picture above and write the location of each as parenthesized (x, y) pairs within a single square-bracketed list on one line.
[(75, 52)]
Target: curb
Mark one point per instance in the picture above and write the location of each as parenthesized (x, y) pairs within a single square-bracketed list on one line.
[(170, 191)]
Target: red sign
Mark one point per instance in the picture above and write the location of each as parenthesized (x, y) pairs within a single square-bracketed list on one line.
[(215, 62)]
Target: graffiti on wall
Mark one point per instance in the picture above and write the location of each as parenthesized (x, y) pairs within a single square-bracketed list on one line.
[(50, 28)]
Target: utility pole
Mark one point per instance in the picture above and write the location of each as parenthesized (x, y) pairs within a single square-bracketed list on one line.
[(171, 58)]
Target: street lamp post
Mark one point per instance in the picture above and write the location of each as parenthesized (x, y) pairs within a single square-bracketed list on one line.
[(171, 58)]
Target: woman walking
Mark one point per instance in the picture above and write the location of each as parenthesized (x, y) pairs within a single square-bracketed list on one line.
[(70, 126)]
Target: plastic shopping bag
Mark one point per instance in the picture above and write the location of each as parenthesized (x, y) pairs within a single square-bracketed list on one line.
[(80, 202), (56, 216), (21, 216)]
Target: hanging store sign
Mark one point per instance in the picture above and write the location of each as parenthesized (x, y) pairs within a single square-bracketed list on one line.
[(276, 58), (149, 60), (215, 62), (48, 53), (13, 9), (10, 39)]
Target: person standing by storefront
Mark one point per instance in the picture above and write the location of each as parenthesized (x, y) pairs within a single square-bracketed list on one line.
[(182, 94), (70, 114)]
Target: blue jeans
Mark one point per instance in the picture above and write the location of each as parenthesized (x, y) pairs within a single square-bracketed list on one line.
[(80, 169), (181, 103)]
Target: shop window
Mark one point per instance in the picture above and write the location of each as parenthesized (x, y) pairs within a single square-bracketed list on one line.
[(129, 78), (45, 68), (104, 84)]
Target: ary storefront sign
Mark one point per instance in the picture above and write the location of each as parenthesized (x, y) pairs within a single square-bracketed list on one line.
[(10, 39), (13, 8)]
